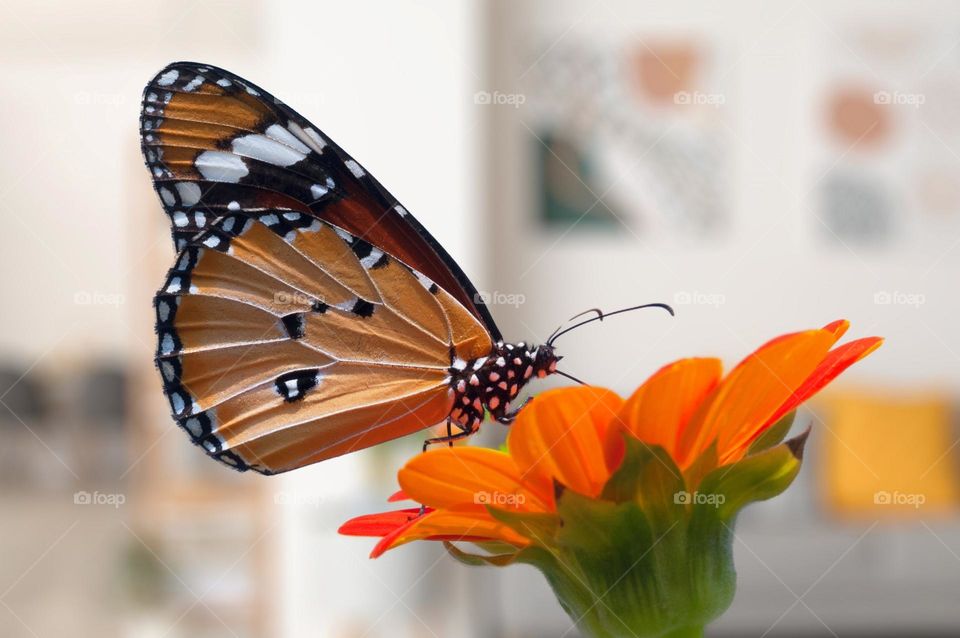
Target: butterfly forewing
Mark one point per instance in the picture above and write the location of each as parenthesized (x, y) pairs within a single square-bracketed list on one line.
[(284, 340), (217, 144)]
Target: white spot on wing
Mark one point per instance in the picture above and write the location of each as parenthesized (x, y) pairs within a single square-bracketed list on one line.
[(166, 346), (168, 78), (268, 150), (224, 82), (281, 134), (270, 220), (193, 84), (220, 166), (318, 142), (193, 426), (355, 168), (167, 197), (292, 389), (372, 258), (189, 192), (425, 281), (317, 191), (180, 219)]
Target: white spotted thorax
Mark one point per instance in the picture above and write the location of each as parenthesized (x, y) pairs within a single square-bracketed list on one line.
[(493, 382)]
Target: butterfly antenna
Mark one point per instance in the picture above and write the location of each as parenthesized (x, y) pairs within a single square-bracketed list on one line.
[(569, 376), (601, 316)]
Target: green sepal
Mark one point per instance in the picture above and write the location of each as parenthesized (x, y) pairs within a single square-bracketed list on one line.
[(774, 434), (480, 560), (619, 572), (753, 478), (539, 527), (649, 477), (701, 466)]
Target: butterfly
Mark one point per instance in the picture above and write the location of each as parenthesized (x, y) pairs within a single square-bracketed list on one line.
[(308, 314)]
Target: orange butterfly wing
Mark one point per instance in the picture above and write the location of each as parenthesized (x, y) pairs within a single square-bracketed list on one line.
[(284, 340), (216, 143)]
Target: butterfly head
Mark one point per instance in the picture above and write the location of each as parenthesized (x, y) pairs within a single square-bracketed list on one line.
[(545, 360)]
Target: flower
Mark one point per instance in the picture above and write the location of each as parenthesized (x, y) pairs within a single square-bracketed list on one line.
[(627, 506)]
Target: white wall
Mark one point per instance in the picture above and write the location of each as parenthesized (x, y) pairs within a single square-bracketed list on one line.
[(772, 267)]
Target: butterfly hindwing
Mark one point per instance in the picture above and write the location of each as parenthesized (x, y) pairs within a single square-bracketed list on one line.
[(284, 340), (217, 144)]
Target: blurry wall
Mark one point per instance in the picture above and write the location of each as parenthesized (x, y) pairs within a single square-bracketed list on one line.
[(466, 111)]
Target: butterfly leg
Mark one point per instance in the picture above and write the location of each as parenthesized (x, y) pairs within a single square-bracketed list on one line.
[(510, 417), (450, 436)]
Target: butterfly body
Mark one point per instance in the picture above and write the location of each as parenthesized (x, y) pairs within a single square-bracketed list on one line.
[(493, 381), (308, 314)]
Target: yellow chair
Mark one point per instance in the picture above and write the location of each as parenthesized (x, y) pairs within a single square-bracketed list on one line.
[(888, 456)]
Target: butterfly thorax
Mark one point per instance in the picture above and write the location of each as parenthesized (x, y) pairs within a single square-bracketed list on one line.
[(494, 381)]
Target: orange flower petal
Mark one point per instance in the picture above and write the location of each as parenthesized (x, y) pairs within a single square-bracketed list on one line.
[(836, 361), (450, 525), (660, 408), (838, 328), (399, 495), (469, 477), (379, 524), (754, 390), (560, 436)]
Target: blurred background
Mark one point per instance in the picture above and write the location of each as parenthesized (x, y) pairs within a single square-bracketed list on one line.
[(764, 167)]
